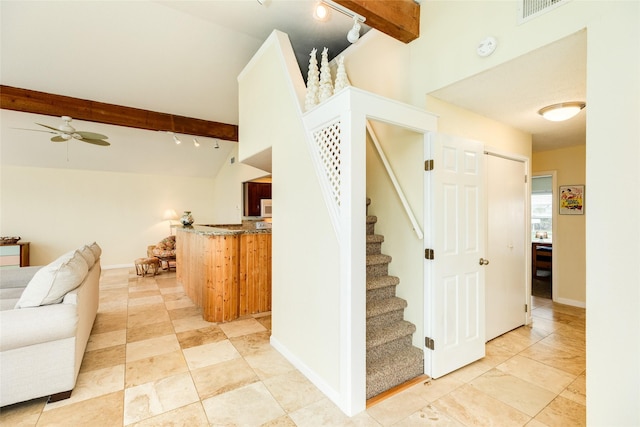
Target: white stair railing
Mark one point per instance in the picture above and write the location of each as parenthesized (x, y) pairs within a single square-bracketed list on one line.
[(394, 181)]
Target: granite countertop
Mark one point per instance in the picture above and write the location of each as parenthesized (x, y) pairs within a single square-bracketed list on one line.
[(248, 227)]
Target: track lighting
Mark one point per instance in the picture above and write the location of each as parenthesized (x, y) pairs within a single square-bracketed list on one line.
[(176, 139), (354, 33), (216, 145), (195, 142)]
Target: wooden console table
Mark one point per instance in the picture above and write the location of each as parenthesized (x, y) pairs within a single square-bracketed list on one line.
[(14, 255)]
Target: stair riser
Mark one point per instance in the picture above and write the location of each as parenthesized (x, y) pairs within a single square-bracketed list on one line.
[(381, 293), (374, 248), (386, 318), (388, 348), (383, 381), (371, 228), (376, 270)]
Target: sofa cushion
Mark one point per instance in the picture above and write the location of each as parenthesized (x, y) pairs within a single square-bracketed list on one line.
[(50, 284), (88, 256), (96, 249)]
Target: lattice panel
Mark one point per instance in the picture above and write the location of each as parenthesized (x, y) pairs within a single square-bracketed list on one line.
[(327, 144)]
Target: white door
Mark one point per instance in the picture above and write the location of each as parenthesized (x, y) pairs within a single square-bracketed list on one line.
[(454, 230), (505, 277)]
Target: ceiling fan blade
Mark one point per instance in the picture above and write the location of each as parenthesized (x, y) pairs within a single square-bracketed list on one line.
[(58, 139), (52, 128), (90, 135), (37, 130), (96, 141)]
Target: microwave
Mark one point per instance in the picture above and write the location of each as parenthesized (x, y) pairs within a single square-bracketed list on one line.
[(265, 208)]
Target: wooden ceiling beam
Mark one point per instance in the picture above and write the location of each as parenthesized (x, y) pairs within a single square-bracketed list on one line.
[(30, 101), (399, 19)]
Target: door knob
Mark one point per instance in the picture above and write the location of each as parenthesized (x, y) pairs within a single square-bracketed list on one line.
[(484, 261)]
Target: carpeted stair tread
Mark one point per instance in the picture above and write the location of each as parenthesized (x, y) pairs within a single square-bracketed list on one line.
[(378, 282), (378, 335), (376, 308), (395, 369), (375, 238), (372, 219), (377, 259)]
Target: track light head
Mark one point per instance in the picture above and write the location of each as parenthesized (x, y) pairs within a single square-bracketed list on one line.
[(176, 139), (216, 145), (195, 142), (354, 33)]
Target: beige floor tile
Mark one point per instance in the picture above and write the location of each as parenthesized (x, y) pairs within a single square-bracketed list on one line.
[(104, 410), (283, 421), (242, 327), (196, 337), (429, 416), (110, 321), (92, 384), (569, 343), (269, 364), (210, 354), (181, 313), (153, 368), (520, 394), (251, 405), (22, 414), (192, 322), (577, 390), (223, 377), (569, 362), (471, 371), (293, 390), (563, 412), (138, 301), (155, 398), (151, 347), (397, 407), (537, 373), (174, 289), (325, 413), (146, 315), (145, 332), (252, 344), (107, 339), (472, 407), (103, 358), (434, 389), (187, 416)]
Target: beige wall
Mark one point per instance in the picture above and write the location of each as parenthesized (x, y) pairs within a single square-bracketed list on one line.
[(569, 242), (59, 210)]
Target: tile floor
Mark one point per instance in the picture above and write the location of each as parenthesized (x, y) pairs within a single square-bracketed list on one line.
[(152, 361)]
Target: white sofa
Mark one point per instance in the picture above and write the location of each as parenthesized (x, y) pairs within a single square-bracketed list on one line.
[(44, 331)]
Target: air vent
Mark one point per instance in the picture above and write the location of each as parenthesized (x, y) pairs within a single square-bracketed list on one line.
[(529, 9)]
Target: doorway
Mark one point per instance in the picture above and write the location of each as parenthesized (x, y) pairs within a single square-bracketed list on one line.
[(542, 225)]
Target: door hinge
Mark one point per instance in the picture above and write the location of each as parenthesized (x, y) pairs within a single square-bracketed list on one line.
[(526, 178), (526, 308), (429, 343), (428, 254), (428, 165)]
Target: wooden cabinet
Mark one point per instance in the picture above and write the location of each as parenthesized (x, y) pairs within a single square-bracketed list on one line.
[(15, 255), (253, 193)]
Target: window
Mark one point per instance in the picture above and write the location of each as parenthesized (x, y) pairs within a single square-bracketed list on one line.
[(541, 209)]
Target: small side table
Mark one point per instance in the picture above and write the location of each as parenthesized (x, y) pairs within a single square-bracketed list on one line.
[(168, 260), (147, 265)]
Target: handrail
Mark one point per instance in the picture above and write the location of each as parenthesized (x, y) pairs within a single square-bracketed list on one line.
[(394, 181)]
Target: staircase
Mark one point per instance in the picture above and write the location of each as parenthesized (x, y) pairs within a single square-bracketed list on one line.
[(391, 357)]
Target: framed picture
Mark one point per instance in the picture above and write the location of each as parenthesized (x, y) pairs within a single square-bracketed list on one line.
[(571, 200)]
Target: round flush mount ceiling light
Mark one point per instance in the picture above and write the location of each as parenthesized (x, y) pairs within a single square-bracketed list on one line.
[(321, 12), (562, 111)]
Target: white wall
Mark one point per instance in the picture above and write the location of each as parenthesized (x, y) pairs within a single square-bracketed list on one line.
[(305, 296)]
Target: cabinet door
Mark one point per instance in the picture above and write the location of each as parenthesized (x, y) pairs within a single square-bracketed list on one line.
[(253, 193)]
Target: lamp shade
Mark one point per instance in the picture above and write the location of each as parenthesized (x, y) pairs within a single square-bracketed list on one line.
[(170, 214)]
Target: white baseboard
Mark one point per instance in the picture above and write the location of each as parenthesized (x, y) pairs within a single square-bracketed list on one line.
[(114, 266), (327, 390), (571, 302)]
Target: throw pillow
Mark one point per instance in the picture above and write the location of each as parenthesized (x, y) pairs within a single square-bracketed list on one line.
[(52, 282), (88, 256), (97, 250)]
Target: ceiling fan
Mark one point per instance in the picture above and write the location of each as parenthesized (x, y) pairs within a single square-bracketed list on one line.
[(65, 132)]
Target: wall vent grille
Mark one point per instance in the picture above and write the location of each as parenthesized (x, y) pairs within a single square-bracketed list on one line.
[(529, 9)]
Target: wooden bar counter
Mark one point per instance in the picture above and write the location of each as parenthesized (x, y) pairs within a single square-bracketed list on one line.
[(226, 270)]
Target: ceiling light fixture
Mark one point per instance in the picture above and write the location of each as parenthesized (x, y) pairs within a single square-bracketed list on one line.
[(562, 111), (321, 12), (195, 142), (354, 33), (216, 145), (176, 139)]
